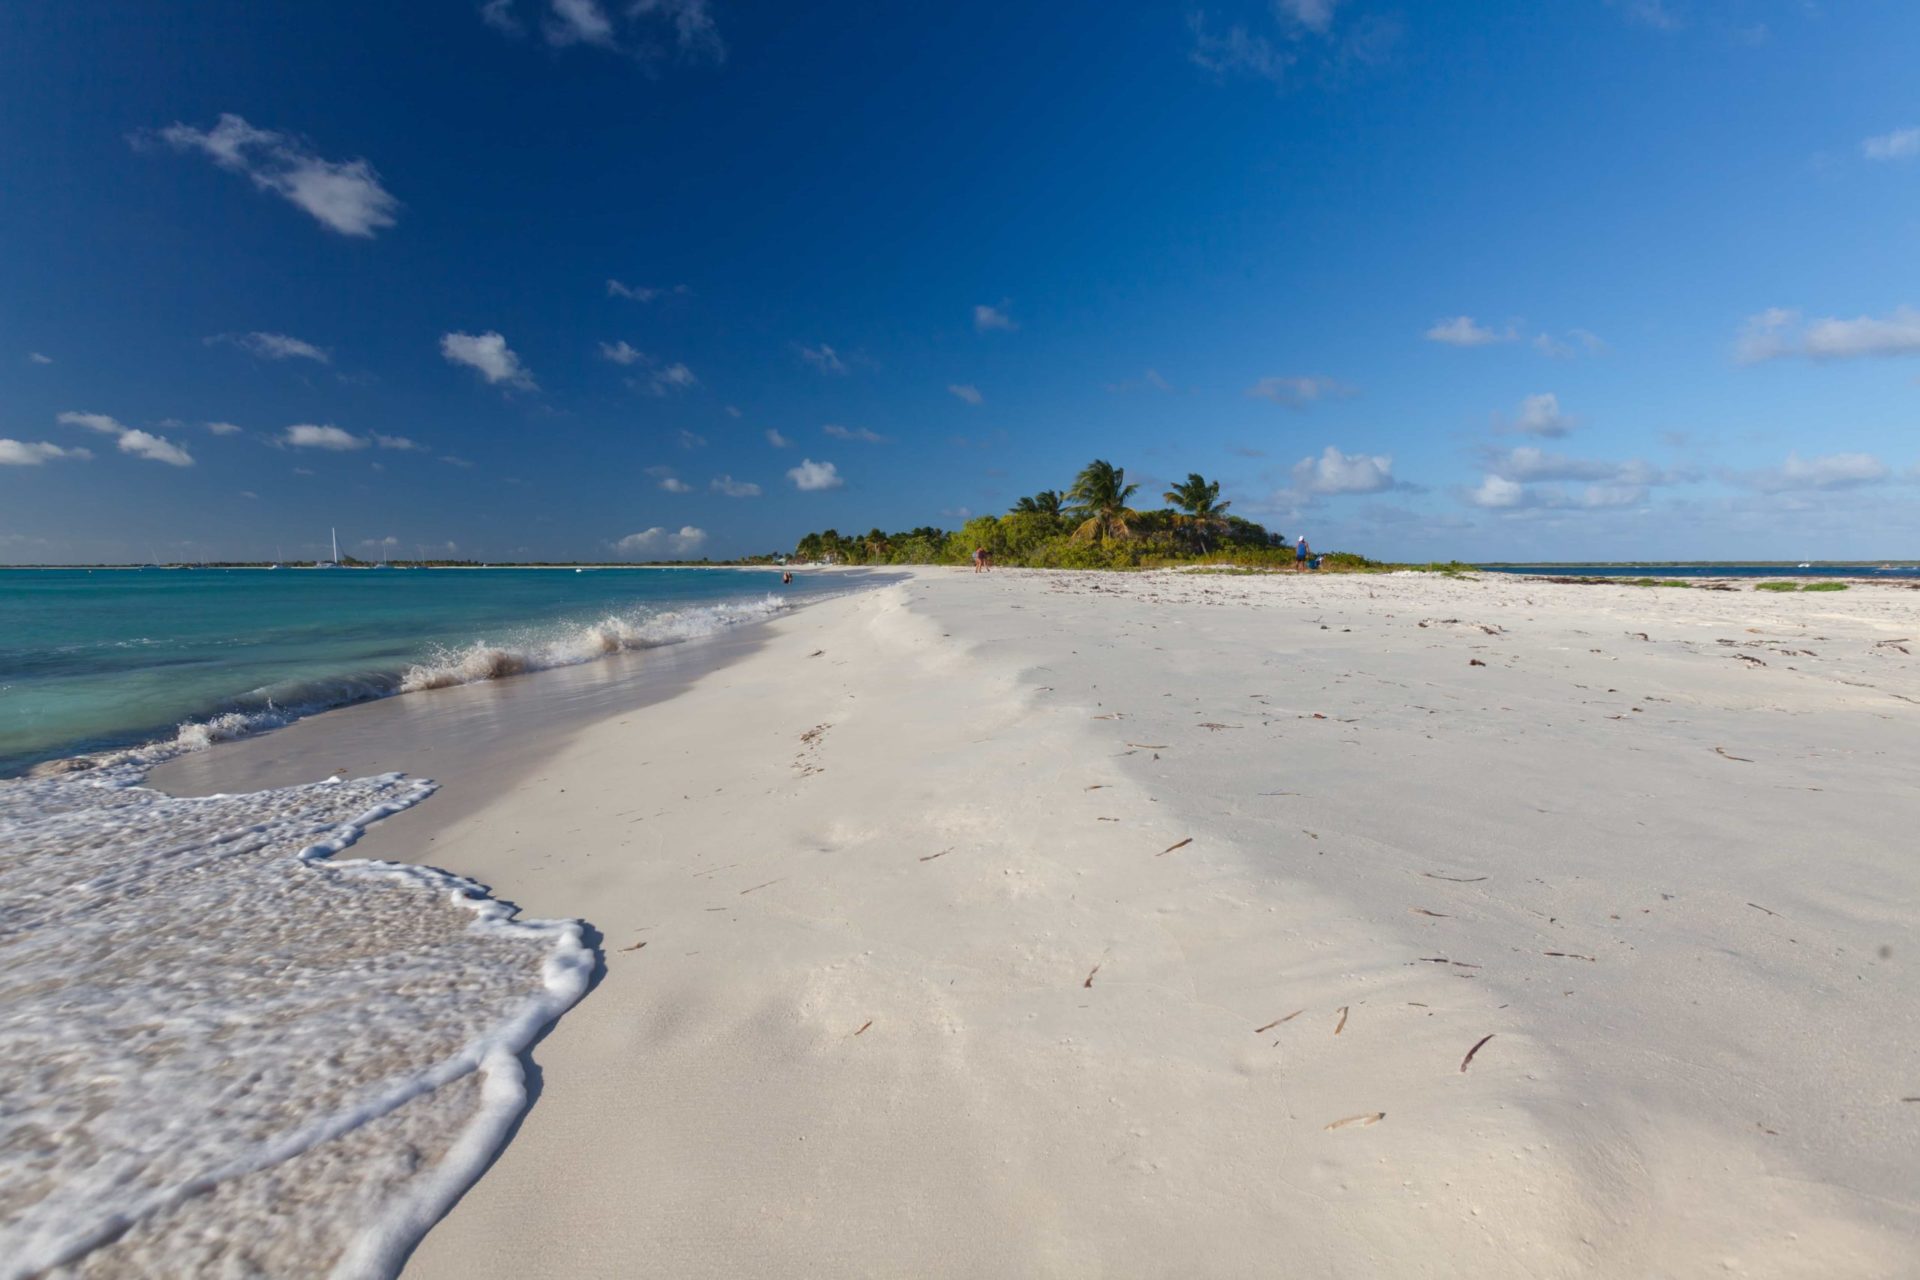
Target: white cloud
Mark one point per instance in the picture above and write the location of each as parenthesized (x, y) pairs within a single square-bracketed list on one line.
[(1334, 472), (1528, 463), (674, 377), (399, 442), (986, 319), (1577, 341), (861, 434), (454, 460), (1901, 144), (223, 428), (1237, 51), (733, 411), (308, 435), (1315, 15), (1497, 492), (690, 439), (823, 357), (578, 22), (141, 444), (621, 352), (1299, 392), (695, 34), (1464, 331), (777, 440), (1827, 471), (658, 539), (26, 453), (1541, 416), (811, 476), (343, 196), (735, 488), (1777, 333), (498, 14), (100, 422), (34, 357), (488, 354), (966, 391), (274, 346), (380, 544), (1649, 13)]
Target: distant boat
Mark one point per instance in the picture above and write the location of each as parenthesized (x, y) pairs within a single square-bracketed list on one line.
[(335, 562), (1804, 564)]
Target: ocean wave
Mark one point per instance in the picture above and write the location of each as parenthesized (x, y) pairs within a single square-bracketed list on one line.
[(581, 643), (529, 649), (230, 1049)]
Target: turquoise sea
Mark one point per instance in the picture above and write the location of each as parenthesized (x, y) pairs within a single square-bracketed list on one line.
[(1708, 569), (91, 659)]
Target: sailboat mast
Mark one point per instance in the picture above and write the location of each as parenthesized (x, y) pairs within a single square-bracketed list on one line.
[(336, 545)]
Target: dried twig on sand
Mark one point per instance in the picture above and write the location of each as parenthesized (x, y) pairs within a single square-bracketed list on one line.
[(1476, 1048), (1342, 1025), (1170, 848), (1089, 982), (1277, 1021), (1722, 751), (1435, 875), (864, 1025), (1364, 1119)]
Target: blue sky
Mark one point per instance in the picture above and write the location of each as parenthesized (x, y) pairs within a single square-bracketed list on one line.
[(583, 278)]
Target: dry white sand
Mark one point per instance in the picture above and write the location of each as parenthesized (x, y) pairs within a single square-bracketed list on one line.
[(1141, 925)]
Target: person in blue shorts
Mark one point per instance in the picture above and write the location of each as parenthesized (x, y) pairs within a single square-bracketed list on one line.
[(1300, 554)]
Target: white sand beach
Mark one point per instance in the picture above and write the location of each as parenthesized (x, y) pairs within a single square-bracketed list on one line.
[(1145, 925)]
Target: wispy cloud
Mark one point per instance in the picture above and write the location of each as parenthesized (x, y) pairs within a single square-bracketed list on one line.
[(223, 428), (621, 352), (965, 391), (1901, 144), (734, 488), (400, 443), (1577, 342), (643, 29), (273, 346), (648, 541), (1148, 381), (488, 355), (987, 319), (1779, 333), (1649, 13), (27, 453), (141, 444), (343, 196), (34, 357), (1825, 471), (811, 476), (777, 440), (643, 292), (823, 357), (1465, 331), (1301, 391), (860, 434), (309, 435), (672, 377), (1237, 51)]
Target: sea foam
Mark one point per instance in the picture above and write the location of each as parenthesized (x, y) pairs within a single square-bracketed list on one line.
[(230, 1052)]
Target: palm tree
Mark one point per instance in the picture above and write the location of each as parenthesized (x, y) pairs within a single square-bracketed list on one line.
[(1098, 499), (1200, 499), (1047, 502)]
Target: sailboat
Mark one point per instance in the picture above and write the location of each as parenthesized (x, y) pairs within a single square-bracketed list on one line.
[(335, 562)]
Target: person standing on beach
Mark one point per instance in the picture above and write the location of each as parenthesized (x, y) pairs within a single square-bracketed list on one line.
[(979, 558), (1300, 554)]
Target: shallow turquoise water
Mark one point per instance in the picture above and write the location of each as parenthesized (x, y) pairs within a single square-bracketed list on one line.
[(101, 658)]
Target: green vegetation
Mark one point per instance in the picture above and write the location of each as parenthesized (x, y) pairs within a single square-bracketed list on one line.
[(1796, 586), (1092, 524), (1657, 582), (1776, 586), (1825, 586)]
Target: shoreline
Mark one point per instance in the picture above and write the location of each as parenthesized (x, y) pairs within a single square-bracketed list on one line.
[(919, 935)]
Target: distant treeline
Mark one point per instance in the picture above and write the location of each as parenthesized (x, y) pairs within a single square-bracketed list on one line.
[(1090, 525)]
